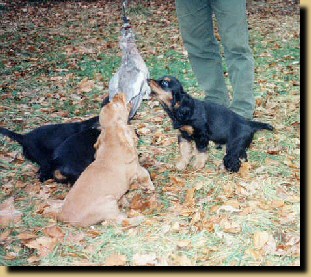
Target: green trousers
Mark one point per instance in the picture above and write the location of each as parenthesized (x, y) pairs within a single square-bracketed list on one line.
[(196, 26)]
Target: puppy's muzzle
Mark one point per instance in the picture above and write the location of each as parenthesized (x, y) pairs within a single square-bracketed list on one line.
[(155, 87)]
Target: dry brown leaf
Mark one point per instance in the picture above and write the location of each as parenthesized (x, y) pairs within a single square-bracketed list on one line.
[(145, 259), (44, 245), (175, 226), (86, 85), (245, 169), (8, 213), (75, 238), (195, 218), (183, 243), (33, 259), (52, 208), (10, 256), (233, 203), (26, 236), (264, 240), (158, 119), (230, 226), (182, 260), (214, 208), (138, 203), (274, 150), (4, 236), (94, 233), (20, 184), (227, 208), (256, 254), (277, 203), (54, 232), (177, 181), (189, 199), (116, 260)]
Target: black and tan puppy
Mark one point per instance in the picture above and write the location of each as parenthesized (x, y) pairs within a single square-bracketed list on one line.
[(39, 144), (74, 155), (201, 122)]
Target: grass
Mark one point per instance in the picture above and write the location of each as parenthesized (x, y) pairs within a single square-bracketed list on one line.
[(38, 84)]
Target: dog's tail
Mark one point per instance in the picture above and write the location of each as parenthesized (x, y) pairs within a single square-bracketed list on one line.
[(12, 135), (260, 125)]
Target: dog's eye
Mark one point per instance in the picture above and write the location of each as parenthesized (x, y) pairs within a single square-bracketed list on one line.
[(164, 84)]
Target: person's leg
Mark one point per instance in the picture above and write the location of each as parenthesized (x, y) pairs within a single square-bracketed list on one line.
[(232, 22), (196, 27)]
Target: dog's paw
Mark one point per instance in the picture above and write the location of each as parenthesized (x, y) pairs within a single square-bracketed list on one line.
[(199, 161), (181, 165), (232, 164)]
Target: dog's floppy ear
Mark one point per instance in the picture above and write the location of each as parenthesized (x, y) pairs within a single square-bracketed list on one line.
[(185, 107), (120, 97), (183, 113), (177, 94)]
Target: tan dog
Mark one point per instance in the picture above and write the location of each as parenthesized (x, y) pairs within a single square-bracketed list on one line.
[(94, 197)]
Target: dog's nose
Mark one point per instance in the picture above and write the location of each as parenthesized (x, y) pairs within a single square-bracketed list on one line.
[(148, 81)]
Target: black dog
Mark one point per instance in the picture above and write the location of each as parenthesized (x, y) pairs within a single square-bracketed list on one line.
[(74, 155), (39, 144), (203, 122)]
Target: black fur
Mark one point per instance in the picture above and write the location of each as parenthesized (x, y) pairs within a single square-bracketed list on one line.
[(74, 155), (210, 122), (40, 143)]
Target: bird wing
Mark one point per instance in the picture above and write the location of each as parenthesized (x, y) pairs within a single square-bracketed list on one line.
[(131, 78)]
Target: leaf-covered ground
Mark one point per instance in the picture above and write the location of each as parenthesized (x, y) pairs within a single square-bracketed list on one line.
[(56, 59)]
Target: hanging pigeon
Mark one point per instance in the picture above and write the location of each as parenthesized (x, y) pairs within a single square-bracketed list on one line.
[(131, 77)]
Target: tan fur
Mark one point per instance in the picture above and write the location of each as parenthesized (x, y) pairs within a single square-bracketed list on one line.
[(94, 197), (185, 149), (161, 94), (186, 153), (188, 129), (199, 160), (59, 176)]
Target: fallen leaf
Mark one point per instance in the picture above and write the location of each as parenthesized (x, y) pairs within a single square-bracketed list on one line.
[(245, 169), (4, 236), (177, 181), (86, 85), (274, 150), (256, 254), (181, 260), (264, 240), (138, 203), (8, 214), (145, 259), (10, 256), (227, 208), (116, 260), (54, 232), (75, 238), (26, 236), (189, 199), (277, 203), (195, 218), (33, 259), (175, 227), (44, 245), (52, 208), (183, 243), (230, 226)]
